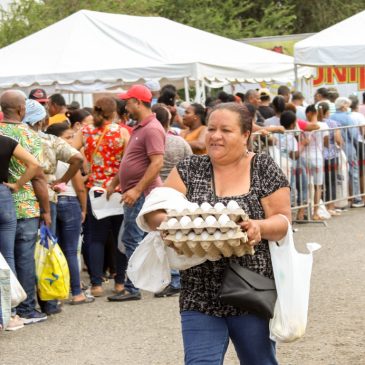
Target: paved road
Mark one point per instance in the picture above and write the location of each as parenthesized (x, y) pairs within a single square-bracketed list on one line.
[(148, 331)]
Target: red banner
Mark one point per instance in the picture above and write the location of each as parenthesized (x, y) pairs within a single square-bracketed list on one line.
[(340, 75)]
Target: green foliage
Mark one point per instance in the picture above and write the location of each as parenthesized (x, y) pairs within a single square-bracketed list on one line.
[(25, 17), (229, 18), (273, 18), (314, 16), (220, 17)]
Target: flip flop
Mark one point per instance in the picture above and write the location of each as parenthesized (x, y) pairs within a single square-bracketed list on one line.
[(87, 300), (333, 212), (318, 218)]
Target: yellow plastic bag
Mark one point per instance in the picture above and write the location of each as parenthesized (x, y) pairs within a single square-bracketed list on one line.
[(52, 273)]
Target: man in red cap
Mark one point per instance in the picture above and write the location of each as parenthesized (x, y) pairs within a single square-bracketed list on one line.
[(138, 172)]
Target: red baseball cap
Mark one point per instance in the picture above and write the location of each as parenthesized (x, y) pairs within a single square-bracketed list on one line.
[(139, 92), (38, 95)]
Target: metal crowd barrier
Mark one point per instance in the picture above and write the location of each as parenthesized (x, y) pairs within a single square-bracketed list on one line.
[(325, 168)]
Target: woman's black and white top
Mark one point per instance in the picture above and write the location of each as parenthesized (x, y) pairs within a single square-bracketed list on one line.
[(200, 284)]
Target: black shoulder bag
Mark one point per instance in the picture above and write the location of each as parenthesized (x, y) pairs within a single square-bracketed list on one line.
[(244, 288)]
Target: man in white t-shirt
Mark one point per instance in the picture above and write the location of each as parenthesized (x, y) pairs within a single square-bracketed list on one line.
[(291, 159)]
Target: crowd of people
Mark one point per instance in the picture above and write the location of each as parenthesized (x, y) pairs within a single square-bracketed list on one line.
[(53, 154)]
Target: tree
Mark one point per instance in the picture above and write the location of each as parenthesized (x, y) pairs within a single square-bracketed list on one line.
[(25, 17), (314, 16), (230, 18)]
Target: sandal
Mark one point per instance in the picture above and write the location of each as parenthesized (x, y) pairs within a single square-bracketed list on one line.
[(87, 300), (318, 218), (333, 212)]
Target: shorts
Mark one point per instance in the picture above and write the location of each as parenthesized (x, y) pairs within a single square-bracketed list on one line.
[(316, 170)]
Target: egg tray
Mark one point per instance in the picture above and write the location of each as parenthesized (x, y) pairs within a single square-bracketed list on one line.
[(232, 243), (234, 215), (190, 227)]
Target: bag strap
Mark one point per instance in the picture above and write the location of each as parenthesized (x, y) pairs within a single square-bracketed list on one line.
[(99, 141), (45, 234), (96, 148), (289, 230)]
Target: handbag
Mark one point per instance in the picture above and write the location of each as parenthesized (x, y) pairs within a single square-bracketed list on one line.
[(247, 290)]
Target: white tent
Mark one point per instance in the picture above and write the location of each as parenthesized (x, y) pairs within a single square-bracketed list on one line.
[(342, 44), (91, 51)]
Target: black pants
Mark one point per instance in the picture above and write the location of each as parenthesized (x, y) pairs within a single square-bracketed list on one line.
[(330, 178)]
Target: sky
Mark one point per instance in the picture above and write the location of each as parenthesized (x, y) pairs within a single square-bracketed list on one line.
[(4, 3)]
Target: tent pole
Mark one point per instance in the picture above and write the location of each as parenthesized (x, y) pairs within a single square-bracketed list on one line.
[(198, 95), (296, 81), (197, 91), (204, 96), (186, 87)]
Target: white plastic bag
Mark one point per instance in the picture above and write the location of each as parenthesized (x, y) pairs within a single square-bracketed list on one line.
[(292, 272), (322, 210), (5, 307), (18, 294), (148, 267), (102, 207)]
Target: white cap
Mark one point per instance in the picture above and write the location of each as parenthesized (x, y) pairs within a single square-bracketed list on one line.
[(153, 85)]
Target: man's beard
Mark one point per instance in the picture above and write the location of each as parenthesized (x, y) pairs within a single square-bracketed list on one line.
[(132, 116)]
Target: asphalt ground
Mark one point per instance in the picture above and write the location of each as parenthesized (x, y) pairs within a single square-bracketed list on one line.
[(148, 331)]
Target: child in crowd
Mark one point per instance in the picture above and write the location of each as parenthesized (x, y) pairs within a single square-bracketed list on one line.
[(291, 151), (314, 154)]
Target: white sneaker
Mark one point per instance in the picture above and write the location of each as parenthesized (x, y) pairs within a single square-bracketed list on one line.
[(357, 205), (14, 324)]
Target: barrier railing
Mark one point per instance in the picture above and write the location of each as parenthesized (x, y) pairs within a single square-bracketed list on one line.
[(324, 168)]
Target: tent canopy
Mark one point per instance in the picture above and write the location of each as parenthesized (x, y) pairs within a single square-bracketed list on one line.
[(343, 44), (93, 48)]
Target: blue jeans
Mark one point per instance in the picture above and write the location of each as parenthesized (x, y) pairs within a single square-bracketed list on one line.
[(68, 233), (175, 279), (53, 207), (355, 179), (299, 182), (7, 226), (352, 159), (132, 235), (206, 339), (25, 239), (96, 233)]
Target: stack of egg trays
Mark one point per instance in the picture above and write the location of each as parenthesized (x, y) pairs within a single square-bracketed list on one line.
[(216, 238)]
